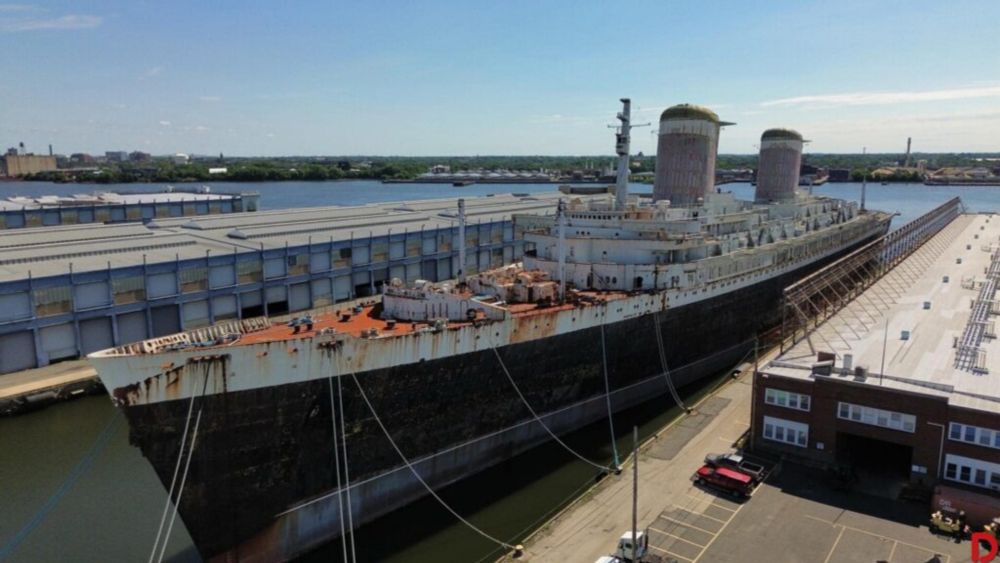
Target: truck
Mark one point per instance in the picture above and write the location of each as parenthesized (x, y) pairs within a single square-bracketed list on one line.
[(624, 552), (737, 462), (727, 480)]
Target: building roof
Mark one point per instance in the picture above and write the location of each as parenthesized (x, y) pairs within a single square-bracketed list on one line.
[(924, 362), (53, 251), (781, 134)]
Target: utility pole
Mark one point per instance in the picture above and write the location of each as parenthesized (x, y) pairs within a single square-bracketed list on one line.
[(864, 178), (635, 488), (461, 240)]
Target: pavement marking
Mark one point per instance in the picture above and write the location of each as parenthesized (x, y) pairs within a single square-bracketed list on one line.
[(818, 519), (719, 533), (689, 526), (700, 514), (675, 537), (723, 507), (914, 546), (670, 554), (895, 543), (834, 547)]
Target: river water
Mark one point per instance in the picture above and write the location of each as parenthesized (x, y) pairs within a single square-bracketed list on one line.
[(113, 510)]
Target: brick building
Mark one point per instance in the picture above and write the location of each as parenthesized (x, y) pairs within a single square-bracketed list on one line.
[(932, 414)]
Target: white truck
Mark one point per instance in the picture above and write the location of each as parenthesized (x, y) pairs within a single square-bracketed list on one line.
[(625, 553)]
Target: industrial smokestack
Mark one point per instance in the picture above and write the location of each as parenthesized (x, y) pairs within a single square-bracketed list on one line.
[(685, 154), (50, 149), (780, 163), (906, 162)]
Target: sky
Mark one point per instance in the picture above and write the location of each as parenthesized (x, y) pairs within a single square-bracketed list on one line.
[(493, 78)]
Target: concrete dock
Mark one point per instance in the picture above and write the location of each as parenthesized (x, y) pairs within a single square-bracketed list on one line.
[(796, 514)]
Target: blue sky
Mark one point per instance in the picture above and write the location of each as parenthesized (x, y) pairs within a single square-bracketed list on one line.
[(435, 78)]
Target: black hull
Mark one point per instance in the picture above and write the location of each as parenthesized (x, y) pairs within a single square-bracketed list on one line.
[(263, 452)]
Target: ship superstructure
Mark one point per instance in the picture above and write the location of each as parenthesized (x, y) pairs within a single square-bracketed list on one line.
[(644, 292)]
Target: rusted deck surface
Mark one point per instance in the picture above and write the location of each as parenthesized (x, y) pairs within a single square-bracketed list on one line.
[(369, 319)]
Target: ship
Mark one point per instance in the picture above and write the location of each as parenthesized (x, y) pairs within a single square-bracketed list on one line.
[(274, 438)]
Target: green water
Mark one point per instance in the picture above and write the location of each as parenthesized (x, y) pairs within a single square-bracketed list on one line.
[(113, 510)]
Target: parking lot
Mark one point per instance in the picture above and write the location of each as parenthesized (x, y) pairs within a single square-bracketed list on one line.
[(795, 516)]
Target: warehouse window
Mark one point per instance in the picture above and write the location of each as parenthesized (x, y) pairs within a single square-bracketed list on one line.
[(130, 289), (342, 258), (249, 271), (786, 399), (877, 417), (298, 264), (972, 471), (53, 301), (786, 431), (974, 435), (193, 279)]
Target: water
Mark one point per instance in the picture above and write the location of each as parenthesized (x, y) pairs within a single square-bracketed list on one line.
[(909, 200), (113, 511)]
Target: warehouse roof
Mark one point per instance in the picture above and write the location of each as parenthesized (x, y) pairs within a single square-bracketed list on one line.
[(17, 203), (927, 324), (53, 251)]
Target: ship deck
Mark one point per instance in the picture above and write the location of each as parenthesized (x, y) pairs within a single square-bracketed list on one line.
[(358, 324)]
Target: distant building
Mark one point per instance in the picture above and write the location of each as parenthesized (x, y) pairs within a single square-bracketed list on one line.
[(180, 158), (116, 156), (139, 156), (20, 165), (440, 169), (81, 158), (221, 170)]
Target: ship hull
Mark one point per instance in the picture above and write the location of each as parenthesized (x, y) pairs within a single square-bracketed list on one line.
[(262, 482)]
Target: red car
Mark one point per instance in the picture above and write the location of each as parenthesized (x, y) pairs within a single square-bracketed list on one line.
[(725, 479)]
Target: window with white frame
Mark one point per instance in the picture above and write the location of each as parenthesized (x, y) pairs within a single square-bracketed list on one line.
[(974, 435), (972, 471), (877, 417), (786, 431), (786, 399)]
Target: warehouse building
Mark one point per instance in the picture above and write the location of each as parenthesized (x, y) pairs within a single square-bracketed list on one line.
[(14, 165), (109, 207), (67, 291), (904, 383)]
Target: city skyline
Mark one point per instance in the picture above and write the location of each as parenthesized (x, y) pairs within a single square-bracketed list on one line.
[(449, 79)]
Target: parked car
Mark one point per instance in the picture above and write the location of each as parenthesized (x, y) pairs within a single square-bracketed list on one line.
[(726, 480), (737, 462)]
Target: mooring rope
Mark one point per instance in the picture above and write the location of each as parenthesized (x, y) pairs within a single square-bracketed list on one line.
[(607, 397), (173, 480), (347, 473), (336, 464), (180, 490), (540, 421), (78, 471), (663, 363), (413, 470)]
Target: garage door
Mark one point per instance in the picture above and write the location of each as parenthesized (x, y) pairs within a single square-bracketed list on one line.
[(165, 320), (95, 334), (131, 327), (298, 299), (341, 288), (221, 276), (195, 314), (17, 351), (161, 285), (14, 306), (91, 295), (224, 307), (58, 342)]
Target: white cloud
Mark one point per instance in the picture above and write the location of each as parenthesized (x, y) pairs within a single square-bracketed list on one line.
[(151, 72), (883, 98), (8, 8), (200, 128), (165, 123), (70, 21)]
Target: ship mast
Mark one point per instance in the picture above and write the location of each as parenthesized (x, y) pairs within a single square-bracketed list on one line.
[(461, 240), (622, 141), (561, 225)]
